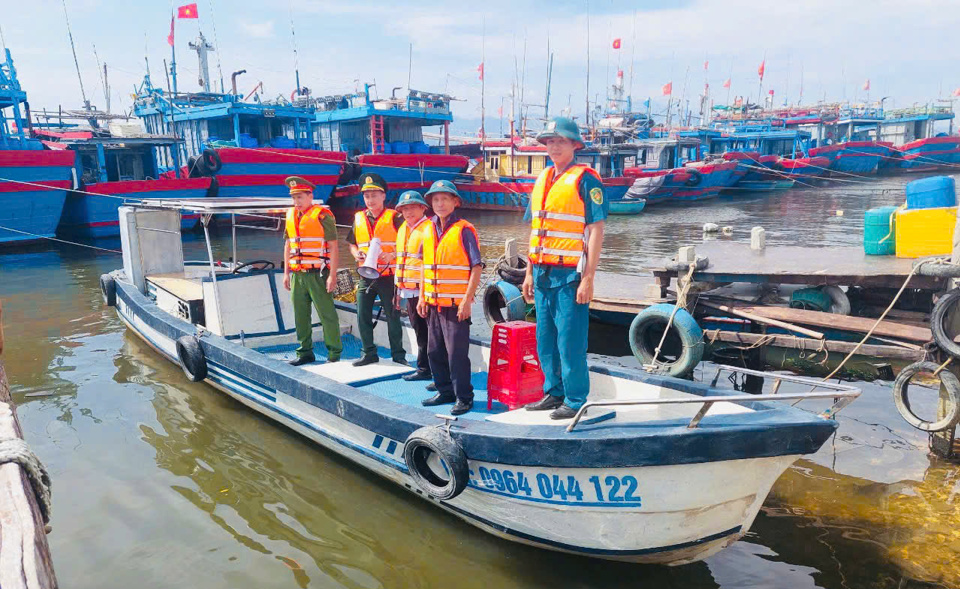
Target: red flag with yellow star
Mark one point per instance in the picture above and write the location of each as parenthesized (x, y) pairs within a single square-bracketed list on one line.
[(188, 11)]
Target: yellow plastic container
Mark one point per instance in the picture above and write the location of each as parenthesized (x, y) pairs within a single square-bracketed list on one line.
[(925, 232)]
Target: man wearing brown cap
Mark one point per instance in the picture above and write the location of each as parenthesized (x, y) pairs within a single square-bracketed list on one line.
[(311, 259)]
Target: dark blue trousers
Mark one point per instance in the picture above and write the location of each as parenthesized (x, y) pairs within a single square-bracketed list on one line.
[(420, 328), (448, 348)]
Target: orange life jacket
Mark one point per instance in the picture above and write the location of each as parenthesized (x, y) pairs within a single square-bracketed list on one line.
[(446, 266), (559, 217), (308, 244), (409, 254), (384, 229)]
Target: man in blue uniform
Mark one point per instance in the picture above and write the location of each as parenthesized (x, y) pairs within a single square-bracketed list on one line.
[(567, 211)]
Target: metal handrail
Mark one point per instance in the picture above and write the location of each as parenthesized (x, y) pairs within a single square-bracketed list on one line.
[(842, 396)]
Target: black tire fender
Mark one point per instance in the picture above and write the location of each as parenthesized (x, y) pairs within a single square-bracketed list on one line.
[(214, 190), (937, 268), (436, 441), (108, 288), (951, 385), (193, 167), (209, 162), (937, 319), (701, 264), (695, 177), (191, 357), (646, 331)]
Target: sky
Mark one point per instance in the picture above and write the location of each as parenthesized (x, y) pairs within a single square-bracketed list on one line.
[(907, 49)]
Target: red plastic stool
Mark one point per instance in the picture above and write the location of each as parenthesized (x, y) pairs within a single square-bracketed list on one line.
[(514, 378)]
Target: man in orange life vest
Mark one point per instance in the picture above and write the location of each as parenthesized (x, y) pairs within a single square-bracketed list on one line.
[(451, 274), (380, 222), (311, 258), (409, 272), (567, 212)]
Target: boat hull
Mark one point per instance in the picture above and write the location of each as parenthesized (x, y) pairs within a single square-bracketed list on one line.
[(33, 189), (94, 211), (627, 207), (629, 512), (933, 153), (261, 171), (412, 171)]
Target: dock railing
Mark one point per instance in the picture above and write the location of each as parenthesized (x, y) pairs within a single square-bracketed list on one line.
[(841, 394)]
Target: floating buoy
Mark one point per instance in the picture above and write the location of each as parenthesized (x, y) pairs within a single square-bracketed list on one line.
[(436, 462), (710, 228), (682, 348), (503, 302), (728, 230), (951, 384)]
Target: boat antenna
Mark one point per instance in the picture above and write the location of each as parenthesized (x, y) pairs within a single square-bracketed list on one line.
[(3, 41), (410, 66), (483, 67), (800, 100), (216, 42), (586, 114), (633, 58), (103, 78), (546, 101), (523, 76), (83, 92), (296, 56)]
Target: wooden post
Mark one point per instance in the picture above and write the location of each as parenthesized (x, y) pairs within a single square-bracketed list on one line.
[(24, 553), (510, 251)]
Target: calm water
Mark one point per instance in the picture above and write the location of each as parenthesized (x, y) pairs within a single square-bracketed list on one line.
[(159, 482)]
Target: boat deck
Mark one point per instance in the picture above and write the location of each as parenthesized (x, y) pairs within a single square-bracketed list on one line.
[(384, 379)]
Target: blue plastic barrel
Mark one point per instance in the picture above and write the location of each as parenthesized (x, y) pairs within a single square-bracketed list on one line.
[(931, 193), (400, 147), (877, 226)]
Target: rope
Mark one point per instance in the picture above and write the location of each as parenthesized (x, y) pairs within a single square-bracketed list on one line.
[(17, 451), (681, 301), (876, 324), (103, 249)]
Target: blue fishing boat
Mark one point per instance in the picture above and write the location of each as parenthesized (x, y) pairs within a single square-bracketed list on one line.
[(33, 180), (613, 467), (669, 169)]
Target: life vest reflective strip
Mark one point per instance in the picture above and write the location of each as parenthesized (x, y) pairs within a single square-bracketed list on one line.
[(384, 229), (559, 217), (446, 266), (409, 254), (305, 239)]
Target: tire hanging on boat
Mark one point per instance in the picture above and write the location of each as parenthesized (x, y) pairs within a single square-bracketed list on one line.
[(695, 177), (684, 342), (191, 357), (108, 288), (839, 302), (951, 384), (450, 458), (208, 162), (939, 317), (502, 302)]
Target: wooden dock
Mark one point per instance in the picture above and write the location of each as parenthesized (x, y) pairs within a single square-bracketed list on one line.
[(25, 560)]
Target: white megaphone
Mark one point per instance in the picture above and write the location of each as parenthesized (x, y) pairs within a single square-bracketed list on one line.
[(368, 269)]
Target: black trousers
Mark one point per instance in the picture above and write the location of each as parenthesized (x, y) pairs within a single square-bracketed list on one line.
[(420, 328), (448, 348)]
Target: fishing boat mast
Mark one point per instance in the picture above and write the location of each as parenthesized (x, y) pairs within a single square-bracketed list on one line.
[(76, 63)]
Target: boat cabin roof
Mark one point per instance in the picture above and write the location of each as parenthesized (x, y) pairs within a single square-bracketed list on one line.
[(218, 206)]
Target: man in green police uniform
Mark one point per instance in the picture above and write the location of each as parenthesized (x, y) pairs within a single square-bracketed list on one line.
[(311, 258)]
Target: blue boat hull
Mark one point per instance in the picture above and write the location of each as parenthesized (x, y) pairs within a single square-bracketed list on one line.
[(33, 189)]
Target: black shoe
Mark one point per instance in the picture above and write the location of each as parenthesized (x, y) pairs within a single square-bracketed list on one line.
[(301, 360), (563, 412), (461, 407), (332, 360), (367, 359), (418, 375), (439, 399), (547, 403), (431, 387), (401, 361)]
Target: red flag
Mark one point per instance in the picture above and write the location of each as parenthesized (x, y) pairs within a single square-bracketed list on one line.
[(616, 43), (188, 11), (667, 89), (480, 70), (761, 69), (170, 36), (770, 92), (500, 111), (619, 73), (866, 85), (706, 64), (727, 83), (956, 92)]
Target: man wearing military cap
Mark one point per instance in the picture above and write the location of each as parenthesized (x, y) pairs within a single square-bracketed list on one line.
[(377, 221), (451, 275), (311, 259), (567, 212)]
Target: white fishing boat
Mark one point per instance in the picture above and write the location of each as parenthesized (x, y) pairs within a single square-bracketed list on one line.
[(651, 469)]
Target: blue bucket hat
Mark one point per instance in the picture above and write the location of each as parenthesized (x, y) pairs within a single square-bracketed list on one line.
[(410, 197), (444, 186), (562, 127)]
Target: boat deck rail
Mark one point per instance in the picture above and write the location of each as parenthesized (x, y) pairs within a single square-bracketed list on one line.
[(842, 395)]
